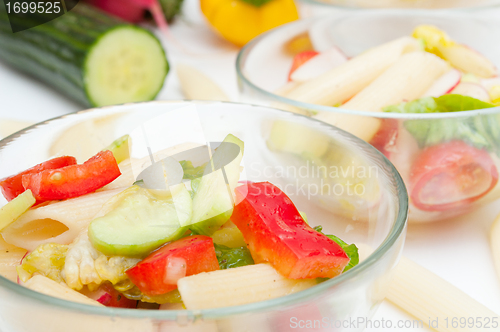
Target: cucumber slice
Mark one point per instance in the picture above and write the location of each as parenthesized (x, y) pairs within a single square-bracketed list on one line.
[(213, 201), (127, 64), (15, 208), (139, 220), (120, 148)]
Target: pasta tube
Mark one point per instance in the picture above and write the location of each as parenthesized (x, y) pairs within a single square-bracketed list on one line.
[(58, 222), (407, 79), (495, 244), (241, 285), (427, 296), (341, 83), (49, 287), (9, 260)]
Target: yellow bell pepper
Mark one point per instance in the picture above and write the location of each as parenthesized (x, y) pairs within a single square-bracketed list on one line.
[(239, 21)]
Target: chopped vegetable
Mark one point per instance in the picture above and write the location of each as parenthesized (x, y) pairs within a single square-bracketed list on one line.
[(350, 249), (171, 297), (229, 235), (120, 148), (15, 208), (159, 272), (451, 176), (47, 260), (213, 200), (276, 233), (12, 186), (299, 60), (73, 180), (140, 220), (191, 172), (240, 21), (233, 257), (110, 297), (478, 131)]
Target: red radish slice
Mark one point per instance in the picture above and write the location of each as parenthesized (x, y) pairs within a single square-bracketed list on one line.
[(299, 60), (444, 84), (129, 10), (472, 90), (319, 64)]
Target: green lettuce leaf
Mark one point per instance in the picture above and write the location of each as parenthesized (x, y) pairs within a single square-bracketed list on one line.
[(350, 249), (232, 257), (482, 132)]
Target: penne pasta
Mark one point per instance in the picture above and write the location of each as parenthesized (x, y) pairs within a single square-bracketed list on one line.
[(341, 83), (426, 296), (9, 260), (407, 79), (58, 222), (241, 285), (49, 287)]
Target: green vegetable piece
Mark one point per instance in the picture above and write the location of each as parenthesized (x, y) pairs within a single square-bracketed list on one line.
[(120, 148), (350, 249), (140, 220), (191, 172), (213, 199), (47, 259), (232, 257), (135, 294), (304, 216), (482, 132), (171, 8)]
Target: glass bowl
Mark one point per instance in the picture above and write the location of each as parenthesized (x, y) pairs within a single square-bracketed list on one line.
[(263, 66), (374, 218), (322, 5)]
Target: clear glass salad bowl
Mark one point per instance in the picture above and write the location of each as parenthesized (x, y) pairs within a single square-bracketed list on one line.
[(263, 67), (372, 213), (322, 5)]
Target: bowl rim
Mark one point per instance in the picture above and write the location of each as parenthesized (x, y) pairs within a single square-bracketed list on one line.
[(397, 230), (494, 3), (247, 49)]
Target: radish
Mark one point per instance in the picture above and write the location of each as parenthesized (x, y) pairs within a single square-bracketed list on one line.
[(110, 297), (472, 90), (319, 64), (444, 84)]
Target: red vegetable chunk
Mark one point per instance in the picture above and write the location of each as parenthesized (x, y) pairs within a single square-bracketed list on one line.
[(300, 59), (13, 185), (159, 272), (110, 297), (276, 233), (385, 138), (451, 175), (74, 180)]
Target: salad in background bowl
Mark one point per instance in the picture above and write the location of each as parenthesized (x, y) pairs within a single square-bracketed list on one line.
[(312, 5), (421, 87), (128, 227)]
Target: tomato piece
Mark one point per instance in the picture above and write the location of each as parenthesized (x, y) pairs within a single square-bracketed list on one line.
[(74, 180), (159, 272), (451, 175), (107, 295), (12, 186), (276, 233), (386, 136), (299, 60)]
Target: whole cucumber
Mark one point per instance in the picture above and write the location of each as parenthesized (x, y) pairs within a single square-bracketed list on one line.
[(88, 55)]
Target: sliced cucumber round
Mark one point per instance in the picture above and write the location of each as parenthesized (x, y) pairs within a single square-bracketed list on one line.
[(139, 220), (127, 64)]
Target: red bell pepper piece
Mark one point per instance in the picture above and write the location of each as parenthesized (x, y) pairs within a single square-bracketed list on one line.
[(74, 180), (159, 272), (276, 233), (12, 186), (451, 175)]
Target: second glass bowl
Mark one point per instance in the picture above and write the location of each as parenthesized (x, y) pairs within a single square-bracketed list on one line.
[(460, 187)]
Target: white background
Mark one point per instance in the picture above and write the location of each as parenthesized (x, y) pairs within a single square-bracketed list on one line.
[(456, 250)]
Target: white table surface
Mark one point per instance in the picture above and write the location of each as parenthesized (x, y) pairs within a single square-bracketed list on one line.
[(456, 250)]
